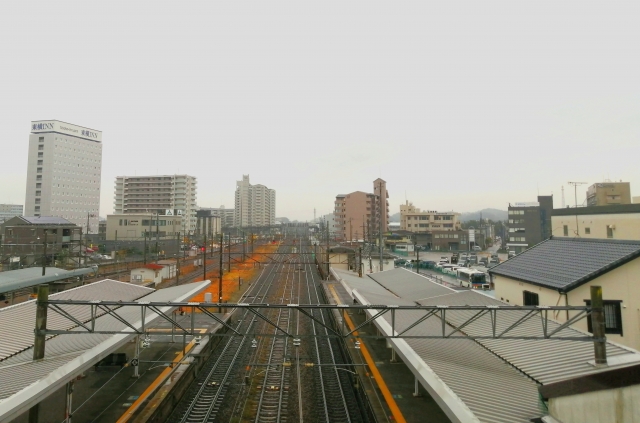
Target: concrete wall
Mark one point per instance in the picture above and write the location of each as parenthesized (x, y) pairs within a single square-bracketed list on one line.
[(626, 226), (619, 284), (148, 275), (606, 406)]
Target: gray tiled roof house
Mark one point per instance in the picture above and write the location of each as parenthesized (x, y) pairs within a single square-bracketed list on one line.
[(563, 264)]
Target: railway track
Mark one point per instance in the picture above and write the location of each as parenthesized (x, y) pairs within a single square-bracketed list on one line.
[(276, 377), (203, 400)]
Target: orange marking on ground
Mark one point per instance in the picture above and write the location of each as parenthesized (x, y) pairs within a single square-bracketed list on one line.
[(154, 385), (391, 402)]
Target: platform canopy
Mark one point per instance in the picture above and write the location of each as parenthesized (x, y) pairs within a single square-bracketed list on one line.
[(67, 356)]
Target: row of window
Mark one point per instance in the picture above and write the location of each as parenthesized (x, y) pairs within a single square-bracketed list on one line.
[(587, 231), (517, 239)]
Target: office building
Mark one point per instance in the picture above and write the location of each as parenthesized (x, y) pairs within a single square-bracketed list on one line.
[(255, 205), (165, 195), (63, 173), (360, 215), (7, 211), (608, 193), (529, 223), (414, 220), (135, 226), (226, 215)]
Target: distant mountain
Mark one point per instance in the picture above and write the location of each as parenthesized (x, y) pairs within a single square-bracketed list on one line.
[(493, 214), (394, 217)]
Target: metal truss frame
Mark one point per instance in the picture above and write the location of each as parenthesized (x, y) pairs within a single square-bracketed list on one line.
[(453, 319)]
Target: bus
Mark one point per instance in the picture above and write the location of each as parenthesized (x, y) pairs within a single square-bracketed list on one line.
[(471, 278)]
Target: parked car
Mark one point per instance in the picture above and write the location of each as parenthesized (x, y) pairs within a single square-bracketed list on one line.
[(106, 257), (484, 261), (477, 248), (444, 259)]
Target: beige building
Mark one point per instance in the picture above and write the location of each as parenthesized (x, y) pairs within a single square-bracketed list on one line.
[(560, 271), (414, 220), (360, 215), (612, 222), (162, 194), (255, 205), (134, 226), (608, 193)]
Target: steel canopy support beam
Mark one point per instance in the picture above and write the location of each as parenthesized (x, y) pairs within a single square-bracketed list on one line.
[(303, 311)]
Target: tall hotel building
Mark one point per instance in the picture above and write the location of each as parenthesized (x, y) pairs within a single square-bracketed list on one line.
[(255, 204), (174, 195), (63, 173)]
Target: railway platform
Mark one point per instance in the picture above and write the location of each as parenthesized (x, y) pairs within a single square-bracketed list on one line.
[(107, 394), (388, 382)]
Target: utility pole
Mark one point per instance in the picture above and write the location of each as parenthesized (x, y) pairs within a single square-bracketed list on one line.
[(360, 263), (575, 193), (417, 248), (157, 234), (221, 272), (228, 252), (204, 259), (380, 224), (177, 260), (44, 255)]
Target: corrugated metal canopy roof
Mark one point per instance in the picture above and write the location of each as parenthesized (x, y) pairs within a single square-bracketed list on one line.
[(13, 280), (565, 263), (494, 378), (68, 355)]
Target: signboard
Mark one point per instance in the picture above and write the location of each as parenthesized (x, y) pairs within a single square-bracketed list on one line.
[(42, 126), (526, 204), (472, 235)]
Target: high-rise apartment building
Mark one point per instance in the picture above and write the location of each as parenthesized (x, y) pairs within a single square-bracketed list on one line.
[(63, 173), (167, 195), (360, 215), (255, 205), (7, 211)]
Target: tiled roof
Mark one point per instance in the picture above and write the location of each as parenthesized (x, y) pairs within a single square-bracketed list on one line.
[(566, 263)]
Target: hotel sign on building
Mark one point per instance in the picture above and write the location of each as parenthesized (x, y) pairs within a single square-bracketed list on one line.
[(42, 126)]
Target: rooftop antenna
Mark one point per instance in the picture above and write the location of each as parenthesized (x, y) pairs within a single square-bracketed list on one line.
[(563, 205), (575, 190), (575, 193)]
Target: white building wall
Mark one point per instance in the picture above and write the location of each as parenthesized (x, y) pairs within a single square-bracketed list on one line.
[(67, 165), (161, 192), (605, 406)]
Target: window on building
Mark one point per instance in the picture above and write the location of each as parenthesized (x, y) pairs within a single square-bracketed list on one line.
[(38, 185), (530, 298), (609, 231), (612, 317), (40, 139), (41, 147), (40, 162), (39, 170), (39, 178), (40, 154), (565, 230), (587, 231), (38, 193)]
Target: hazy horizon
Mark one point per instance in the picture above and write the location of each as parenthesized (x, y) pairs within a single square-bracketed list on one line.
[(458, 107)]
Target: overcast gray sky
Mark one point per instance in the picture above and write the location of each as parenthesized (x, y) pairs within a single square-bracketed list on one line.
[(460, 105)]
